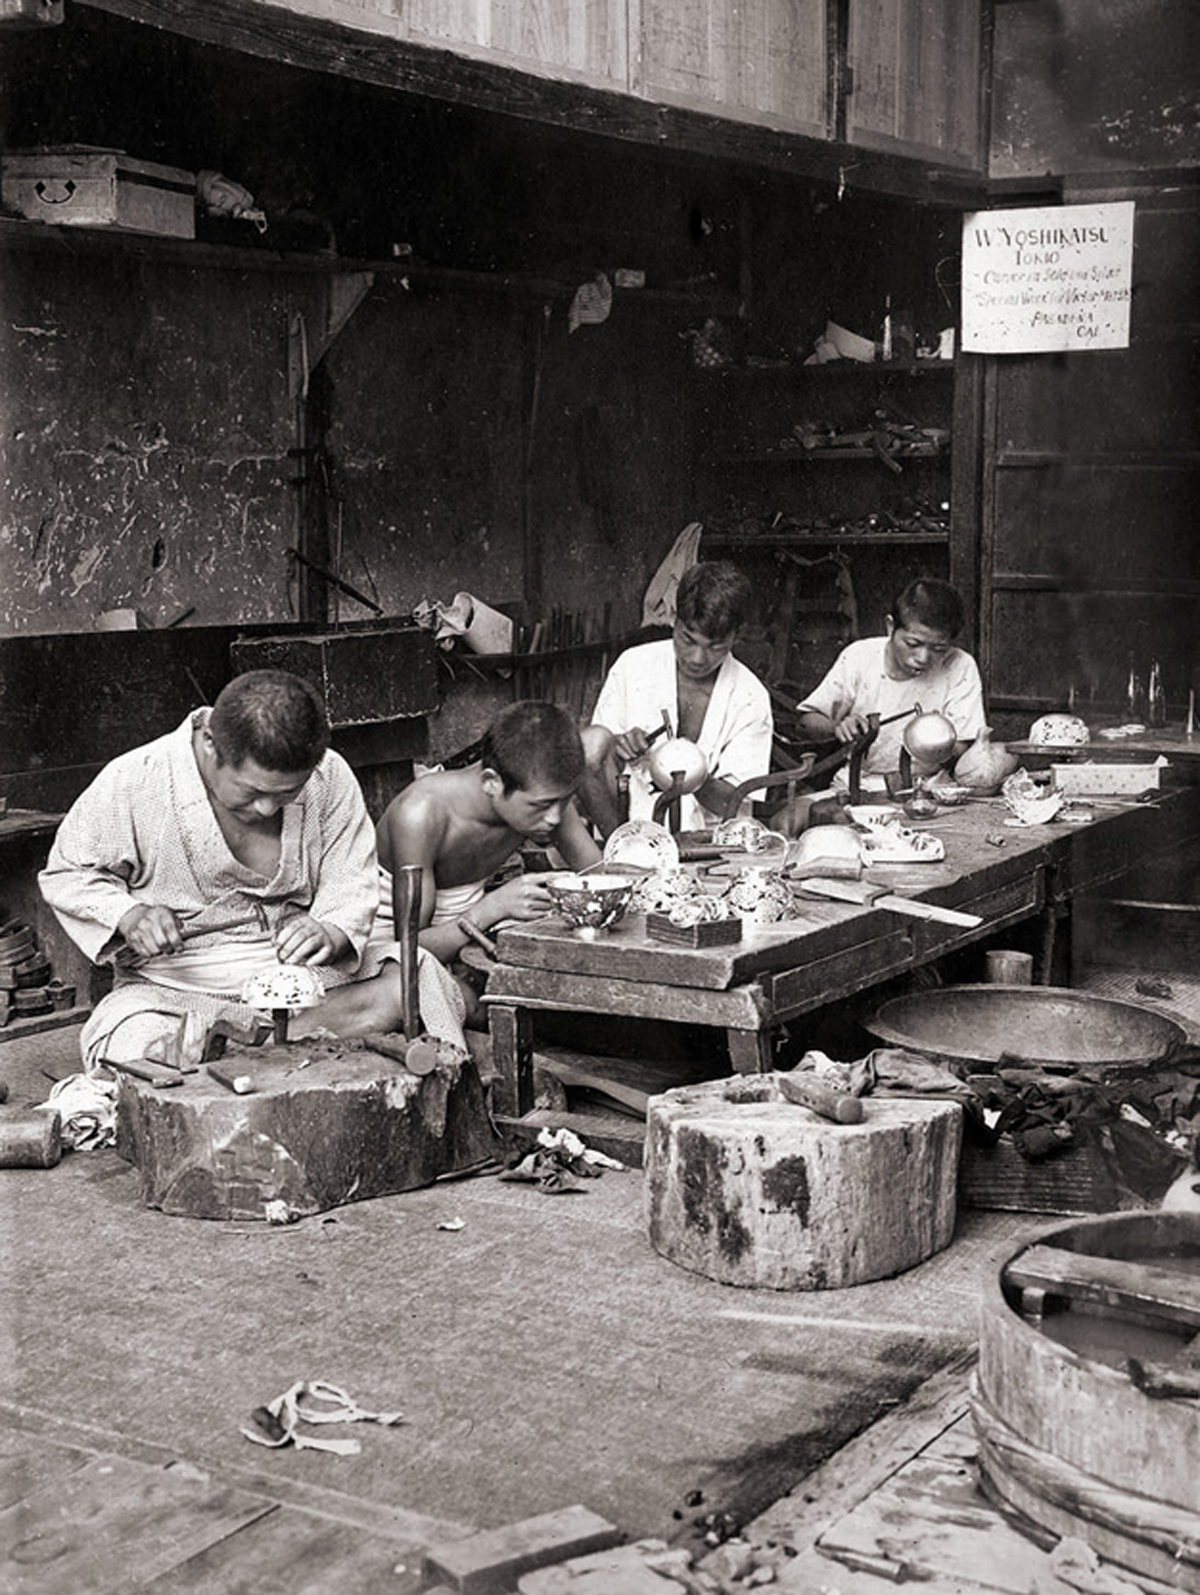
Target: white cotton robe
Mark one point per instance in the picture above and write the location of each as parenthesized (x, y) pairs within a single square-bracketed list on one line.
[(145, 832), (735, 737)]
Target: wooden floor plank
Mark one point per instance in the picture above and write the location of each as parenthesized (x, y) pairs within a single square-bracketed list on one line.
[(868, 1461), (931, 1520), (111, 1524), (294, 1553)]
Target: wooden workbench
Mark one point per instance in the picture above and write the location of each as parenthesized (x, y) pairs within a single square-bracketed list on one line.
[(776, 973)]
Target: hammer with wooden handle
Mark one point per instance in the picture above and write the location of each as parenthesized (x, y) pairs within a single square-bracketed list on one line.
[(830, 1103)]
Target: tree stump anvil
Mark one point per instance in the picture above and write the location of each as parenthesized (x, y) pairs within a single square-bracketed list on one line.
[(323, 1123)]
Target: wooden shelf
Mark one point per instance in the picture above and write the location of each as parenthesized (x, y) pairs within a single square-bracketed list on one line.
[(845, 456), (832, 368), (16, 234), (807, 539), (27, 822)]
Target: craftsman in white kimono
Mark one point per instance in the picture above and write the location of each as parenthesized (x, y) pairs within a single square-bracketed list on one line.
[(735, 736), (145, 832)]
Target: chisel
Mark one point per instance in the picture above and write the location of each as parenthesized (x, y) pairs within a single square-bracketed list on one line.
[(867, 894)]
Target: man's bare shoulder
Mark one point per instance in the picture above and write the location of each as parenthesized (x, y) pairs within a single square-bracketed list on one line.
[(432, 800)]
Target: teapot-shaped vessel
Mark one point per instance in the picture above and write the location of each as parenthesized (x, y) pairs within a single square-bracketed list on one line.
[(929, 737), (677, 755), (985, 764)]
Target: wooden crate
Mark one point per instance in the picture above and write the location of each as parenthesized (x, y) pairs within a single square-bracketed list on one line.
[(75, 186)]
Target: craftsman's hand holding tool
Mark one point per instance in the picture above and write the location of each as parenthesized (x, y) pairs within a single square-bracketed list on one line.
[(150, 929), (523, 897), (853, 725), (301, 939), (630, 745)]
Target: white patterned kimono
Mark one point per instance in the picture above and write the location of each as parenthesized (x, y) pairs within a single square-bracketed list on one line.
[(145, 832), (735, 737)]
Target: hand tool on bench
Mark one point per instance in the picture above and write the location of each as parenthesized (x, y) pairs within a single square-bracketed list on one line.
[(869, 894), (824, 1099), (418, 1056), (480, 937)]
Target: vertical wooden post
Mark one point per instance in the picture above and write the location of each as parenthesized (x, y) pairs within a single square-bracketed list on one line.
[(511, 1031)]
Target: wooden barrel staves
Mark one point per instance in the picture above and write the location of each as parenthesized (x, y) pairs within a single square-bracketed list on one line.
[(1087, 1396), (752, 1189)]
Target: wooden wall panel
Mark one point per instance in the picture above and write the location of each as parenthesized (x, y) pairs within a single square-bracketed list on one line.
[(1092, 527), (765, 61), (1091, 493), (435, 471), (147, 424), (1082, 87), (915, 77), (1040, 410), (576, 36), (1045, 643)]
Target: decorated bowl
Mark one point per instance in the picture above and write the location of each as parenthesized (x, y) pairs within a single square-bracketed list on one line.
[(760, 897), (589, 903), (660, 892), (1059, 730)]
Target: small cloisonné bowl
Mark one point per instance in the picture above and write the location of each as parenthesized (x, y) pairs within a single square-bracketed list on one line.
[(589, 903)]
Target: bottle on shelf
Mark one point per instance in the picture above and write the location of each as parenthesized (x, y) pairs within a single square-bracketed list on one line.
[(1156, 698), (1135, 695)]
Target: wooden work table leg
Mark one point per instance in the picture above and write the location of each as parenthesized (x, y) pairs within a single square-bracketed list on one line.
[(511, 1030), (751, 1051)]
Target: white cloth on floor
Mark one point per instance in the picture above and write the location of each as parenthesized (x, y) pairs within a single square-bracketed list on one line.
[(88, 1108)]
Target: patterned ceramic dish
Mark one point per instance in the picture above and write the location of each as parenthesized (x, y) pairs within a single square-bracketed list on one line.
[(872, 816), (661, 892), (898, 844), (1028, 801), (589, 903), (642, 843), (760, 897)]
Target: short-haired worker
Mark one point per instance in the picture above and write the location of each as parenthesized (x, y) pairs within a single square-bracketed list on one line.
[(241, 813), (708, 696), (460, 826), (916, 663)]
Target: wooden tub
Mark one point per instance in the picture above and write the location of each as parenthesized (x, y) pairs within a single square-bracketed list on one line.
[(1079, 1323)]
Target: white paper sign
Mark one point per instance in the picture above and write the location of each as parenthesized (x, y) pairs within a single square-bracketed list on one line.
[(1054, 278)]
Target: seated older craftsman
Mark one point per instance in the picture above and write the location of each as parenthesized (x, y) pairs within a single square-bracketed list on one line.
[(705, 694), (915, 664), (460, 826), (242, 814)]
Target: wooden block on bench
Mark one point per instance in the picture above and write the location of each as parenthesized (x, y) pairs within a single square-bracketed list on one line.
[(494, 1559)]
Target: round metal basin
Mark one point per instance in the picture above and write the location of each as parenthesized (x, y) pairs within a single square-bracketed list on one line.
[(1043, 1024)]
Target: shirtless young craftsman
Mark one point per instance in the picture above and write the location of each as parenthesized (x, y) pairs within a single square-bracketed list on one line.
[(242, 813), (461, 826)]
